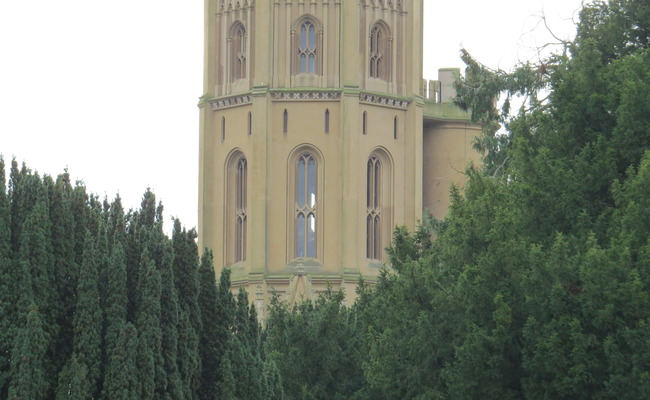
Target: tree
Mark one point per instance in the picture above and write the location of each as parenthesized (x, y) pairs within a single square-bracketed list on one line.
[(209, 351), (28, 365), (83, 370)]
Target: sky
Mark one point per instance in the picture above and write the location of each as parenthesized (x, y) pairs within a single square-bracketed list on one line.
[(109, 90)]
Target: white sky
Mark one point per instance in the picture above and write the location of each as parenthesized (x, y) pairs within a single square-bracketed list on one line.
[(109, 89)]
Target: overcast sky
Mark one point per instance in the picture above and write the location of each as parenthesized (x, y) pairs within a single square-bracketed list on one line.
[(109, 89)]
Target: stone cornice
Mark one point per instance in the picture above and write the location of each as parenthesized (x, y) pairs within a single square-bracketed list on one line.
[(233, 101), (384, 101), (306, 95)]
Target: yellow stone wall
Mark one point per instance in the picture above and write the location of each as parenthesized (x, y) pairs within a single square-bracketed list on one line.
[(412, 154)]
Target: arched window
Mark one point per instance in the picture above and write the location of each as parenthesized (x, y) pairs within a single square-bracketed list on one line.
[(238, 52), (373, 204), (378, 203), (307, 47), (223, 128), (379, 56), (236, 219), (306, 202), (240, 210), (250, 124)]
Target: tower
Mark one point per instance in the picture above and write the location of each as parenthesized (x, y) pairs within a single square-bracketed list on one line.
[(317, 138)]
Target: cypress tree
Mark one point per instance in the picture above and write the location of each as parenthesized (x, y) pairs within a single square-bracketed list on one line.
[(186, 265), (170, 329), (36, 264), (188, 355), (149, 359), (84, 366), (209, 350), (272, 381), (28, 364), (6, 292), (65, 266), (187, 286), (121, 380)]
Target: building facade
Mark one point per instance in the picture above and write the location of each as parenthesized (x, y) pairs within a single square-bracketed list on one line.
[(317, 137)]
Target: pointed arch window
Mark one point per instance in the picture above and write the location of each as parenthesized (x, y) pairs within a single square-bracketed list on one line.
[(379, 57), (379, 197), (306, 201), (373, 204), (236, 210), (307, 47), (238, 52)]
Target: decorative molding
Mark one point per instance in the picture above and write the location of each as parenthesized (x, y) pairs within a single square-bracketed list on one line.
[(235, 4), (383, 101), (230, 101), (306, 95), (384, 4)]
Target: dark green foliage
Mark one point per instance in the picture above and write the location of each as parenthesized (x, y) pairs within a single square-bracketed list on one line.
[(211, 350), (28, 365), (121, 380), (315, 348), (7, 292), (96, 303), (149, 358), (169, 326), (82, 372)]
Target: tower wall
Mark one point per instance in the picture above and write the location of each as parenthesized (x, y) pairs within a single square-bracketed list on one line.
[(357, 105)]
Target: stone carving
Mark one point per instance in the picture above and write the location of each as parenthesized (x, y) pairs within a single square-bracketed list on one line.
[(235, 4), (231, 101), (383, 101), (332, 95)]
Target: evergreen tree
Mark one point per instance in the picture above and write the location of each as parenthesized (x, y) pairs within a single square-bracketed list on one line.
[(122, 378), (169, 325), (28, 363), (209, 351), (7, 297), (272, 381), (149, 358), (65, 268), (83, 369), (185, 272)]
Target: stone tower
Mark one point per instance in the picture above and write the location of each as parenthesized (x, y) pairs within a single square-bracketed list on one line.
[(314, 123)]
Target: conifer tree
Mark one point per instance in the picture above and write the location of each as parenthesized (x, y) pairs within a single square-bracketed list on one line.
[(28, 361), (83, 369), (65, 265), (121, 381), (6, 289), (187, 286), (169, 324), (272, 381), (209, 350), (149, 359)]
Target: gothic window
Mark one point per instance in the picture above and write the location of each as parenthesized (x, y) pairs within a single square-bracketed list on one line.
[(236, 219), (379, 57), (306, 211), (307, 49), (223, 128), (240, 210), (373, 204), (238, 52)]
